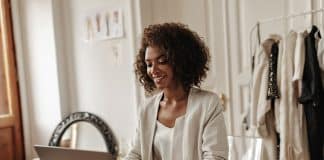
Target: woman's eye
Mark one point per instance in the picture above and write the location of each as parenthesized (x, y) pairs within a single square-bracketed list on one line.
[(163, 61), (149, 65)]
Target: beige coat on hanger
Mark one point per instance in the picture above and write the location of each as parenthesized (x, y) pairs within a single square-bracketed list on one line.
[(290, 118)]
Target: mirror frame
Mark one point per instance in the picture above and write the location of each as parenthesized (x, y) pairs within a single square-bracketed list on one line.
[(106, 132)]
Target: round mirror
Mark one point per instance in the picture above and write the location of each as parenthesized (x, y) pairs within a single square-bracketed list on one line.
[(78, 131), (83, 135)]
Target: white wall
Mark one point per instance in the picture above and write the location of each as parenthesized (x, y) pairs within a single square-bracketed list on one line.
[(37, 67), (96, 82), (59, 73)]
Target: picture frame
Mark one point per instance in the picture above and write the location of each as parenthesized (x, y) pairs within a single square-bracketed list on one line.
[(103, 25)]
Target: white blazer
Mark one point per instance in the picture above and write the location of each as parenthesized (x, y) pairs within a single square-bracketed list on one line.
[(204, 133)]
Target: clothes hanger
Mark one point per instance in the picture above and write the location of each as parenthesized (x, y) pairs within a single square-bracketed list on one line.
[(273, 19), (258, 24)]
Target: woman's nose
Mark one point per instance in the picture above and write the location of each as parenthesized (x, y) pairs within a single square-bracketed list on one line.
[(155, 69)]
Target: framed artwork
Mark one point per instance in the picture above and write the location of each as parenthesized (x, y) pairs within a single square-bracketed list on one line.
[(103, 25)]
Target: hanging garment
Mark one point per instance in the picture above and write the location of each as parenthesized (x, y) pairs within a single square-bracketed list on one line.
[(289, 116), (320, 57), (261, 117), (312, 97), (299, 56), (299, 61), (273, 91)]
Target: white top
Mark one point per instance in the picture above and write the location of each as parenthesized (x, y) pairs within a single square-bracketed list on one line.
[(299, 57), (320, 57), (163, 146)]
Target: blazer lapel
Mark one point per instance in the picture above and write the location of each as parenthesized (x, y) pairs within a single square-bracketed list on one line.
[(151, 123)]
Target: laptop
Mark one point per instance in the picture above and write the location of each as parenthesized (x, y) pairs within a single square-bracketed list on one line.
[(59, 153)]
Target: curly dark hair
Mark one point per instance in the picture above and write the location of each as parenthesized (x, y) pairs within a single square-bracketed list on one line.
[(185, 50)]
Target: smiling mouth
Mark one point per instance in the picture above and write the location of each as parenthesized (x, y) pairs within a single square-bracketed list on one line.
[(158, 79)]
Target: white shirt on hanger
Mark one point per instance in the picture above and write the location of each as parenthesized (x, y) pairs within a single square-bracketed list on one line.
[(320, 57), (290, 117)]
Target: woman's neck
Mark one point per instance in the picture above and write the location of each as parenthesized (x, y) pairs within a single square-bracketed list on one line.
[(175, 94)]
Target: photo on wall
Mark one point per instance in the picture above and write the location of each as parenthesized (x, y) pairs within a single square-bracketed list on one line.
[(103, 25)]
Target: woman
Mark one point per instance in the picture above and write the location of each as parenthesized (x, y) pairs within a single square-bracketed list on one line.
[(181, 121)]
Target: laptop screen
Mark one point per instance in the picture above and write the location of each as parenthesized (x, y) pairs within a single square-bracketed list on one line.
[(58, 153)]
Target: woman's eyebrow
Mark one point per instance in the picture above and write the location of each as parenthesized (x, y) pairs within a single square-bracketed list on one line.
[(149, 59)]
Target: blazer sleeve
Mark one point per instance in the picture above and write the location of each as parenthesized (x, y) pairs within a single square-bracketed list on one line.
[(135, 152), (214, 145)]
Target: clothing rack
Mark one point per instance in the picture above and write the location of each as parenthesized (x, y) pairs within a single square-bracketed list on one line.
[(273, 19), (257, 25)]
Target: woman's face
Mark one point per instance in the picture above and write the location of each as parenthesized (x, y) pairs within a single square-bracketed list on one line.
[(158, 68)]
